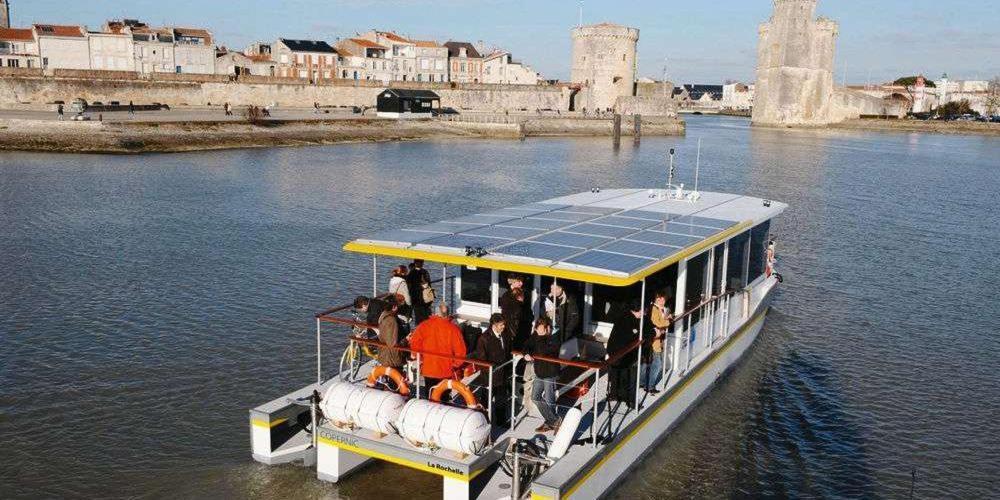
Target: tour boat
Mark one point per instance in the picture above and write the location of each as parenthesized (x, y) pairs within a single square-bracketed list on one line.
[(710, 252)]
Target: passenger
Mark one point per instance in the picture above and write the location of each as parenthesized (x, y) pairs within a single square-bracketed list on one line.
[(543, 388), (438, 334), (494, 346), (416, 279), (621, 374), (516, 310), (399, 289), (562, 310), (372, 308), (652, 368), (388, 334)]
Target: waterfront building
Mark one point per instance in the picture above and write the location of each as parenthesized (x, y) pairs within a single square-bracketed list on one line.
[(62, 47), (400, 51), (500, 68), (465, 65), (699, 97), (366, 60), (604, 61), (18, 48), (432, 61), (111, 51), (228, 62), (313, 60), (153, 48), (193, 51), (737, 96)]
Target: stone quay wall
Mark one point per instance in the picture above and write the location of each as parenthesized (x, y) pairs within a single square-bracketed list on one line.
[(35, 90)]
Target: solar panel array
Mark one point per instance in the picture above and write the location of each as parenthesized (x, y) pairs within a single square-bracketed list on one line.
[(596, 238)]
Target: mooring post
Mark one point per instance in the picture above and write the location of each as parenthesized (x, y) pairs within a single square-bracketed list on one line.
[(617, 133), (637, 134)]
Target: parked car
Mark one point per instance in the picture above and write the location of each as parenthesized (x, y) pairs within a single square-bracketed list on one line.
[(995, 119), (78, 106)]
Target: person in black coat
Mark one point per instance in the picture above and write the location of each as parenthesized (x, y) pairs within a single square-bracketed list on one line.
[(414, 283), (516, 309), (622, 372), (371, 308), (494, 346), (544, 386), (563, 311)]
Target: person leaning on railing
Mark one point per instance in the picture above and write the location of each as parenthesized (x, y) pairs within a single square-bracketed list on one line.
[(494, 346), (388, 334), (543, 388), (438, 334), (660, 317)]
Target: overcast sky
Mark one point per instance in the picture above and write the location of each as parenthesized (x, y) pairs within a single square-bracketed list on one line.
[(698, 42)]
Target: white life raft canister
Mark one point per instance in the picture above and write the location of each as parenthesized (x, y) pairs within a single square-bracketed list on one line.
[(353, 405), (425, 423)]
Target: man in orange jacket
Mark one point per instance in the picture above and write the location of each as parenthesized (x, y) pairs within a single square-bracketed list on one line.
[(439, 335)]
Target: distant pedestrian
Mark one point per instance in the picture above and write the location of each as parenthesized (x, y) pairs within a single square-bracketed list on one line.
[(59, 111), (316, 108), (131, 108), (228, 109)]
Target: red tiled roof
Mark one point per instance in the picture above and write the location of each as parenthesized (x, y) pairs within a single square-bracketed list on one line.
[(426, 43), (59, 30), (344, 52), (259, 57), (367, 43), (394, 37), (17, 34)]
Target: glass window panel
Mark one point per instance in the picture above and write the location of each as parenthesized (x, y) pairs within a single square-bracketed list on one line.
[(735, 263), (476, 285), (759, 237)]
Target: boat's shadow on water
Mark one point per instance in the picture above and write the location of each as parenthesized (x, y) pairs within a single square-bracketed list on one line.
[(776, 426)]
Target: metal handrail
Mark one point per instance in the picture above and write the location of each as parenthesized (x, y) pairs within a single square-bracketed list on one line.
[(376, 343), (336, 309)]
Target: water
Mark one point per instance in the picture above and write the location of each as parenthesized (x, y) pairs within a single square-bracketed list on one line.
[(147, 302)]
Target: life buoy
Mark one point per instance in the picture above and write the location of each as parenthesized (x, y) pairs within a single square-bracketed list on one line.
[(454, 385), (388, 371)]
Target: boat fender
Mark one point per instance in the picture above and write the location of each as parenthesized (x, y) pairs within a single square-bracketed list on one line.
[(352, 406), (564, 438), (779, 277), (426, 424), (394, 374), (454, 385)]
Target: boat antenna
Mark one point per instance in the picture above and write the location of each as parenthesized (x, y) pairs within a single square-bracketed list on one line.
[(697, 166), (670, 175)]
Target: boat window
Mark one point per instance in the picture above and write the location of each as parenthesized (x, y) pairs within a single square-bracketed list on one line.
[(476, 285), (695, 286), (758, 249), (607, 299), (717, 272), (574, 290), (735, 275)]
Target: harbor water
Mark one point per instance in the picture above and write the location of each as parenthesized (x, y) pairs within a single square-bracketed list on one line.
[(147, 302)]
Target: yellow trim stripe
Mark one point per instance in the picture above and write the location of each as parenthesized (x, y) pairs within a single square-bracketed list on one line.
[(268, 425), (665, 403), (588, 277), (397, 460), (536, 496)]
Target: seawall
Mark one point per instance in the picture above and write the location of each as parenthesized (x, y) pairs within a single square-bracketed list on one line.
[(27, 89)]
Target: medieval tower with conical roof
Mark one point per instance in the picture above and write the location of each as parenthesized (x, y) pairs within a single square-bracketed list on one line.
[(795, 67)]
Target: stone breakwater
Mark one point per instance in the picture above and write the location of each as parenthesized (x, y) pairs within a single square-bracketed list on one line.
[(933, 127), (132, 138)]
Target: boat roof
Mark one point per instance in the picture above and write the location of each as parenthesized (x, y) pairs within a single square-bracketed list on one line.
[(613, 237)]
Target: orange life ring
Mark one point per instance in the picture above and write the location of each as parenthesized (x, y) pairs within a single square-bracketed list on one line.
[(454, 385), (388, 371)]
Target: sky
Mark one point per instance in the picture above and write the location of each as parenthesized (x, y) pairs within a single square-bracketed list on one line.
[(695, 42)]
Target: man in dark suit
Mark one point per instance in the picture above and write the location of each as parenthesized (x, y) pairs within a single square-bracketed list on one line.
[(494, 346)]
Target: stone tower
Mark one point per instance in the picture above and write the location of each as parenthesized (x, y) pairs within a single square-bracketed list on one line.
[(795, 67), (4, 14), (604, 64)]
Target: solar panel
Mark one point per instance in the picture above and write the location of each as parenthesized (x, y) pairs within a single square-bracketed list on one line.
[(448, 227), (514, 233), (534, 223), (598, 230), (645, 214), (610, 261), (675, 240), (518, 212), (536, 250), (403, 236), (705, 221), (624, 222), (640, 249), (542, 207), (572, 240), (685, 229), (484, 219), (587, 209), (462, 240), (566, 216)]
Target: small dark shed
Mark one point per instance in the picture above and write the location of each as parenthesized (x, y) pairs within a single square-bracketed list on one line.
[(394, 103)]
